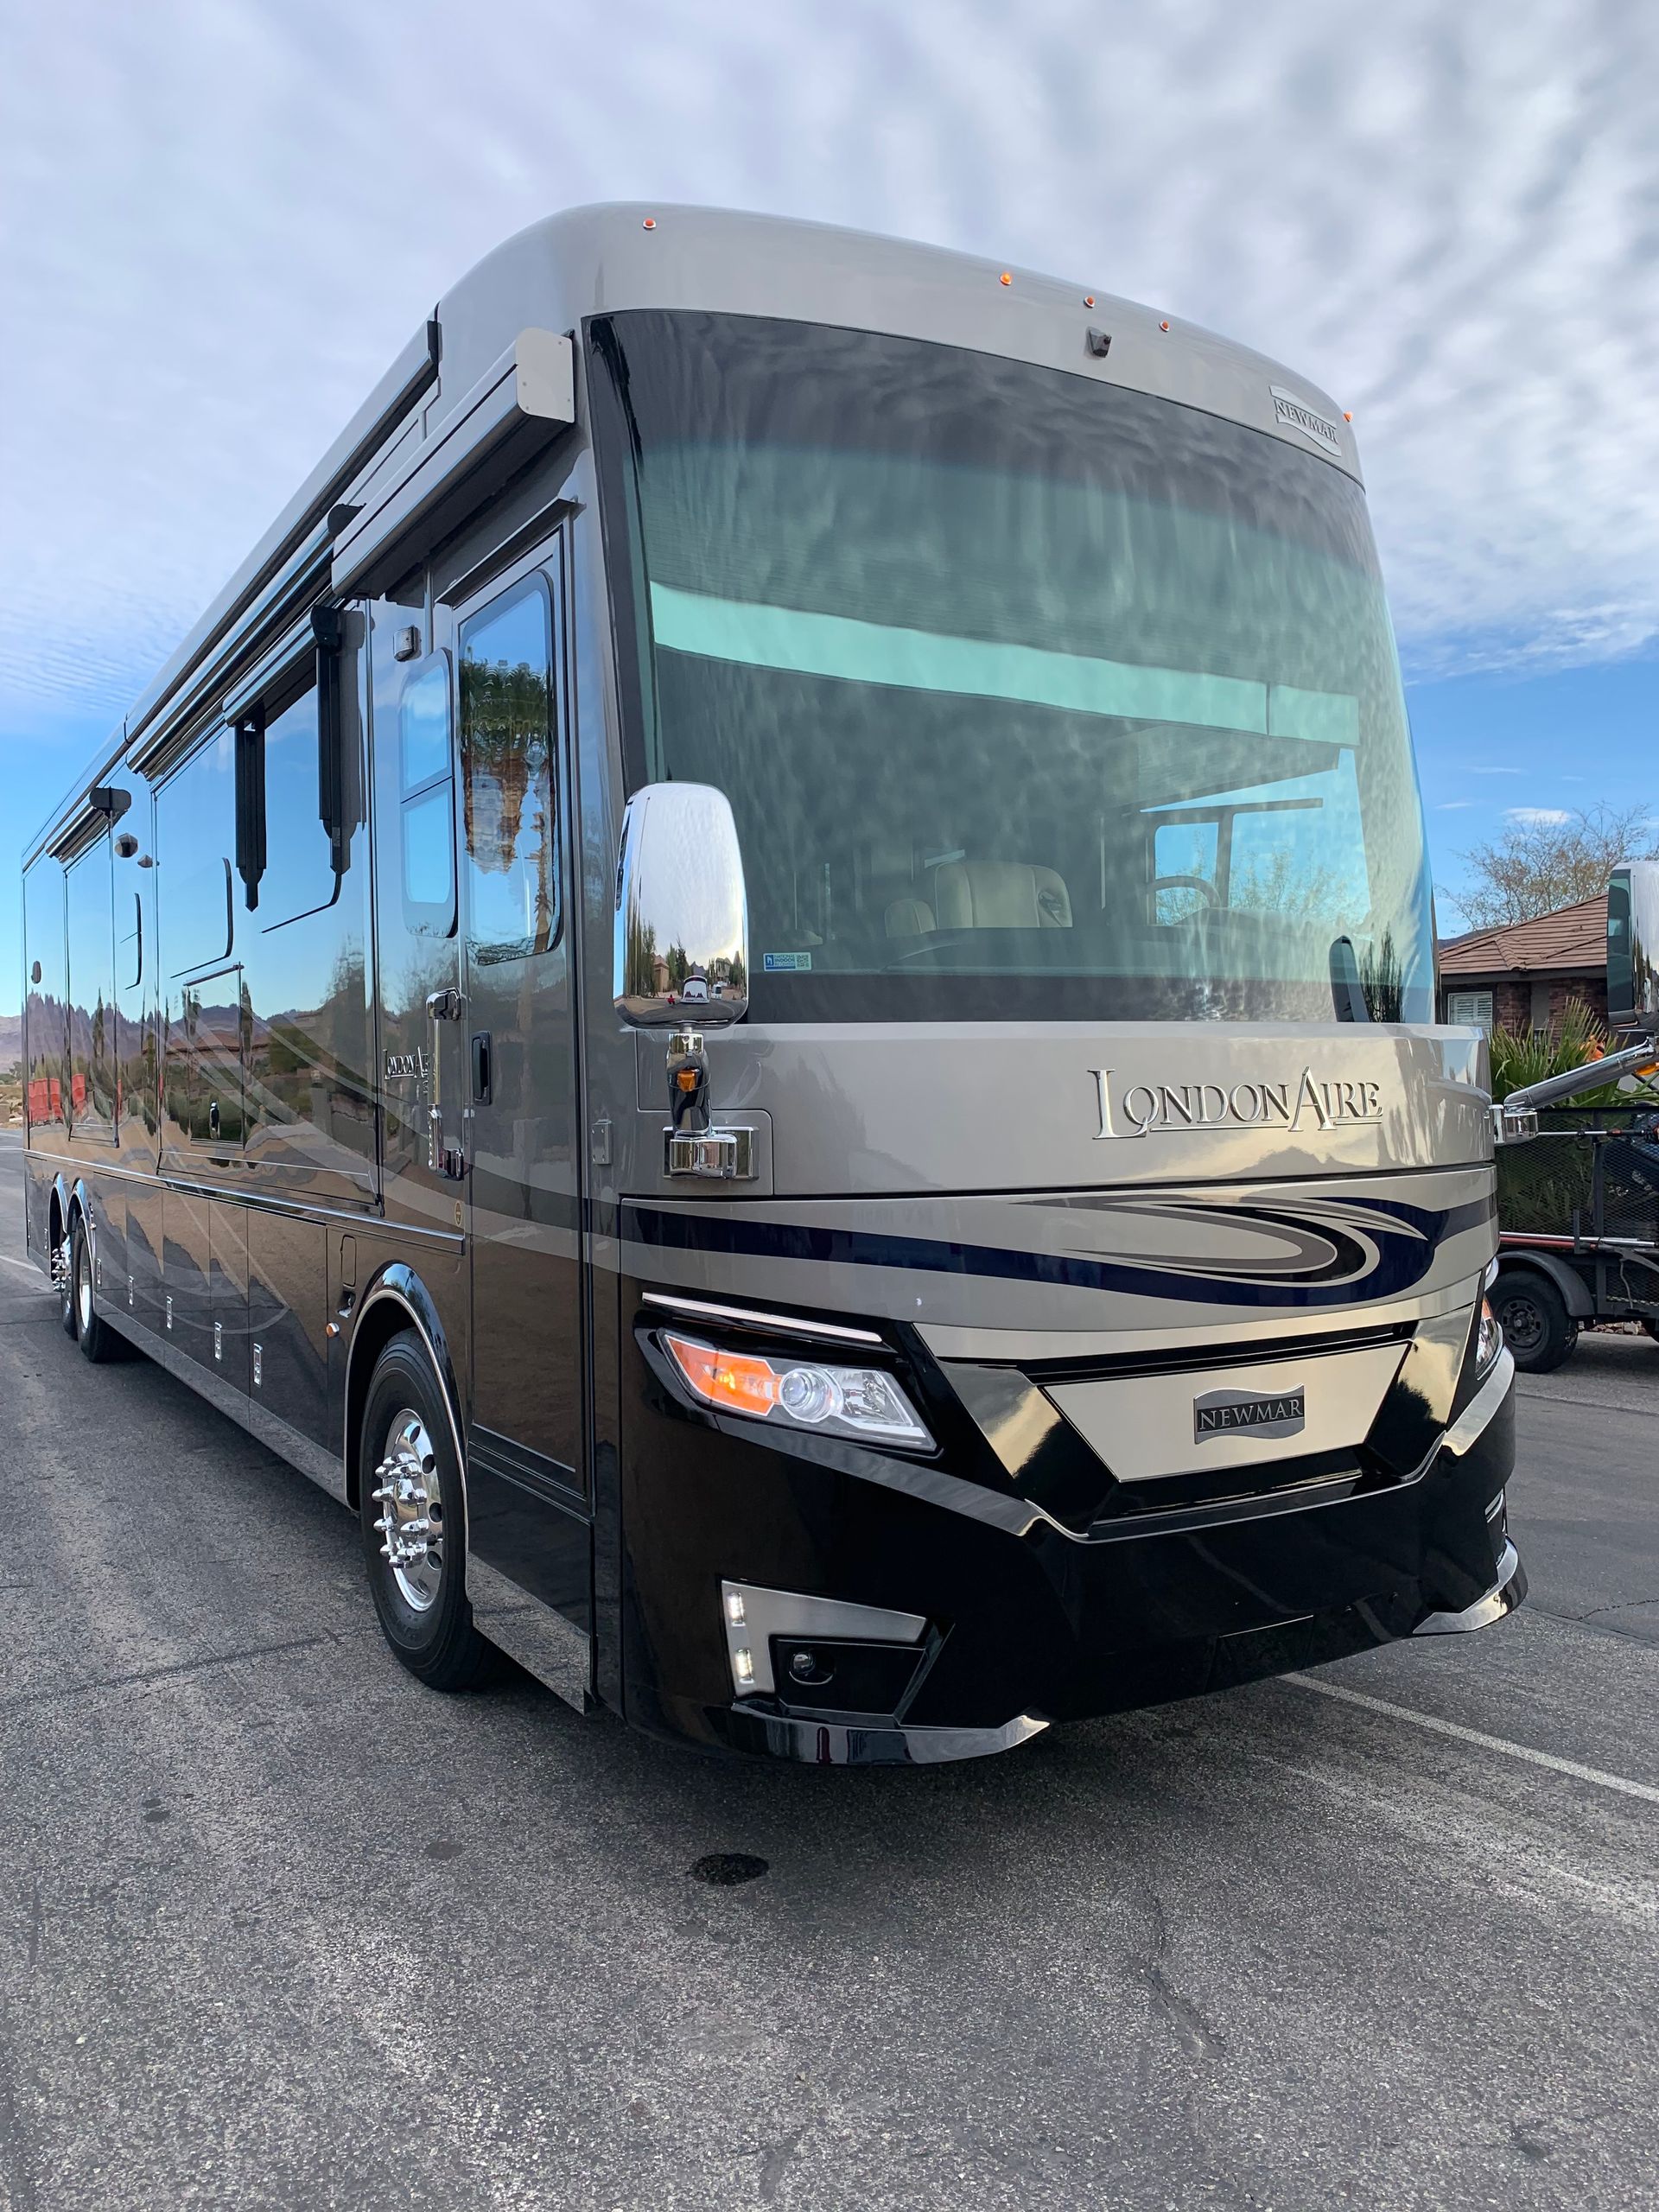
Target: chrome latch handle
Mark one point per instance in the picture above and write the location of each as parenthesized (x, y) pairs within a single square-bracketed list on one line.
[(720, 1155)]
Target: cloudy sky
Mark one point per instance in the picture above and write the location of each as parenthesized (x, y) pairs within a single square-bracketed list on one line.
[(223, 216)]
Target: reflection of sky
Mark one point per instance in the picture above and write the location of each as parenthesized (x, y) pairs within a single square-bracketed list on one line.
[(1330, 838)]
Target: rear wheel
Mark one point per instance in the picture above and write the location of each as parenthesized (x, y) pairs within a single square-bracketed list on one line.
[(413, 1523), (63, 1258), (1537, 1326), (96, 1337)]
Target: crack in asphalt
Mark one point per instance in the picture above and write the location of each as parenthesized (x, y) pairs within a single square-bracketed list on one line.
[(62, 1692)]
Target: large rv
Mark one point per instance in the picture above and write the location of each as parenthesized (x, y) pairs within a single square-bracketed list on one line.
[(765, 984)]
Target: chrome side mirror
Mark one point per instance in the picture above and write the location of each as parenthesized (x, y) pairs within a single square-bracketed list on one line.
[(1633, 946), (681, 944)]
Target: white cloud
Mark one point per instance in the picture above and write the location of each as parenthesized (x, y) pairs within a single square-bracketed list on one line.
[(1495, 772), (229, 217), (1537, 817), (1452, 805)]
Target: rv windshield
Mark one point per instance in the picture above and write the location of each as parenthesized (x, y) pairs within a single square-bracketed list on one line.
[(1034, 697)]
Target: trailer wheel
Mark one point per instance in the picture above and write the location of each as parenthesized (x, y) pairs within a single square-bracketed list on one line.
[(1537, 1326), (413, 1514), (96, 1337)]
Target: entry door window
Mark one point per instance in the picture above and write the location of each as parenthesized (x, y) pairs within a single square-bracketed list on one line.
[(427, 798), (506, 670)]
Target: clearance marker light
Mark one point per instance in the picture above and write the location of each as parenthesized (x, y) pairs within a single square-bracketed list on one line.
[(649, 223), (1163, 325), (1007, 277), (1347, 414), (1088, 299)]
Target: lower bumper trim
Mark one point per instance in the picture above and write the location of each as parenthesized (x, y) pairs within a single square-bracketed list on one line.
[(831, 1743), (1499, 1602)]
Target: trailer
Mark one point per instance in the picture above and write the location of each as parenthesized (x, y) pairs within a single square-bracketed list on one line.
[(1577, 1215)]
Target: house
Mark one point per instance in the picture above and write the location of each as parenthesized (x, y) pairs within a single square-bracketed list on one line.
[(1521, 976)]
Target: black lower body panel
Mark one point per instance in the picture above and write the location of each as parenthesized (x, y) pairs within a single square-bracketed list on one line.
[(1026, 1626)]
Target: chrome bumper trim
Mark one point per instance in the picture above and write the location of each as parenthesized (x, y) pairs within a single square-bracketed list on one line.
[(1481, 1408), (1499, 1602), (820, 1743)]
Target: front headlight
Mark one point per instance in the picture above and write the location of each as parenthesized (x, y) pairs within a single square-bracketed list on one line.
[(862, 1402), (1488, 1340)]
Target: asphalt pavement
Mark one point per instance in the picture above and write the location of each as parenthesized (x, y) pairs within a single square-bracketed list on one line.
[(278, 1927)]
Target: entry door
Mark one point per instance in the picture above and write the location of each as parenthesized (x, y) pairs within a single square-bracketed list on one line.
[(527, 1485)]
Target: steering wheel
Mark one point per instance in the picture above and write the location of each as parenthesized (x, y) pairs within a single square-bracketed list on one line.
[(1185, 883)]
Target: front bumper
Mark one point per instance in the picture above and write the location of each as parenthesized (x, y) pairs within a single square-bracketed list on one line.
[(1030, 1622)]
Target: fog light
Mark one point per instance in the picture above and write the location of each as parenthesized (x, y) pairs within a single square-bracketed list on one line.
[(743, 1665), (734, 1612)]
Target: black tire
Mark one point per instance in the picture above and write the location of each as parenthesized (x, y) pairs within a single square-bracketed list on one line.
[(98, 1341), (1537, 1326), (435, 1639), (62, 1277)]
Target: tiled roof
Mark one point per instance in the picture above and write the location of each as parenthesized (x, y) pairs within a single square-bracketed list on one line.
[(1571, 941)]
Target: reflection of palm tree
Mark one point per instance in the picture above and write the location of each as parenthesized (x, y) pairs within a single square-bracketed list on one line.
[(505, 722)]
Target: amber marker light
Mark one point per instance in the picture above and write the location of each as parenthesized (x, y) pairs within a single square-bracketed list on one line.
[(725, 1378), (1347, 414), (649, 223), (1163, 325), (1088, 299), (1007, 277)]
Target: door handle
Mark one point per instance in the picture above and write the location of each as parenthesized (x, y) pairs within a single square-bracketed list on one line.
[(482, 1070)]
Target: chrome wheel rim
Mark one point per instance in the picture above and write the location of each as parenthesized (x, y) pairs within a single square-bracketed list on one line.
[(83, 1289), (411, 1498)]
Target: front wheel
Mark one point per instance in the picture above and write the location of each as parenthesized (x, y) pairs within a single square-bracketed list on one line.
[(1537, 1327), (413, 1523)]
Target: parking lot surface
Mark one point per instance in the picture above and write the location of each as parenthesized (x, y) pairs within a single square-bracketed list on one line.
[(278, 1927)]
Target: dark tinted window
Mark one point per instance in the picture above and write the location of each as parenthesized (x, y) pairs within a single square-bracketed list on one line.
[(92, 991), (43, 1007), (507, 794), (299, 874), (427, 806), (195, 838), (966, 642)]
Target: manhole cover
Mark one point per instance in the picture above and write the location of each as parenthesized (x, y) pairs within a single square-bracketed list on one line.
[(723, 1870)]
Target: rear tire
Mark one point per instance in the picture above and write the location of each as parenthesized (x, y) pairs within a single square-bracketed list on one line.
[(63, 1254), (1537, 1327), (98, 1341), (414, 1521)]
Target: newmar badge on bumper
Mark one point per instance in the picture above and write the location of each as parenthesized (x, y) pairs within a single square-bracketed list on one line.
[(1223, 1412)]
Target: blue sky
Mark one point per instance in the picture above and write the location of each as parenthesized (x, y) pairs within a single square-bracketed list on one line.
[(224, 218)]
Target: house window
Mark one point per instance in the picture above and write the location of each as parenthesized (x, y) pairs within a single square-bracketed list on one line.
[(1474, 1006)]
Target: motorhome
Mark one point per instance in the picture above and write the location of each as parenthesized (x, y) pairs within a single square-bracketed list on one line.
[(765, 984)]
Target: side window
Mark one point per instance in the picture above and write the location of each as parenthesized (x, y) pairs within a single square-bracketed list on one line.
[(507, 746), (427, 798), (44, 1005), (1475, 1007), (92, 991), (196, 837), (299, 872)]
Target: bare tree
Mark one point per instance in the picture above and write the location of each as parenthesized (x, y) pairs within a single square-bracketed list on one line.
[(1545, 859)]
